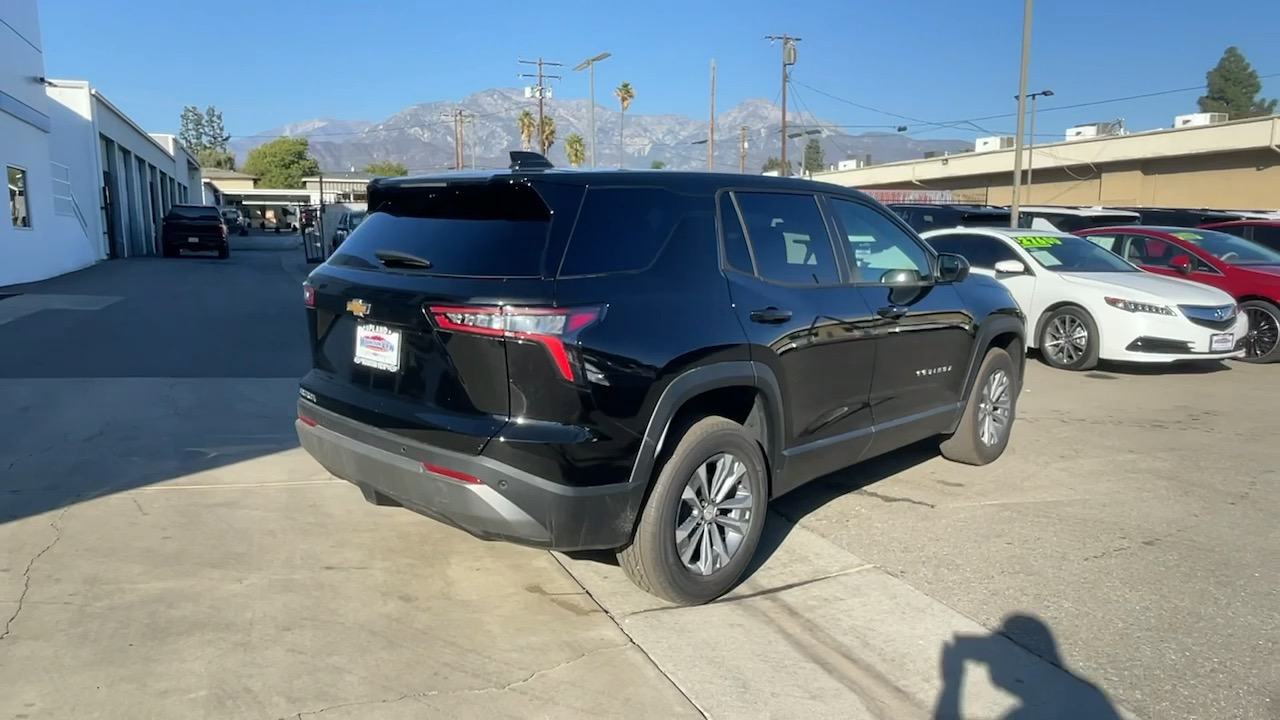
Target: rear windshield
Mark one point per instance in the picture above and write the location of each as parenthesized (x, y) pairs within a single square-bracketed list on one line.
[(195, 212), (475, 230), (985, 219), (1075, 223)]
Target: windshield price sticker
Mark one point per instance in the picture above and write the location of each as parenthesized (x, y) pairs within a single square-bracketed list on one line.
[(1038, 241), (1187, 236)]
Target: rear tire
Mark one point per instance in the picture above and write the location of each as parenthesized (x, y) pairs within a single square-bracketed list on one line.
[(696, 571), (224, 253), (1262, 343), (1069, 339), (987, 423)]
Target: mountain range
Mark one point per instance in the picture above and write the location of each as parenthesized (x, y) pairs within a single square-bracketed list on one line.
[(422, 136)]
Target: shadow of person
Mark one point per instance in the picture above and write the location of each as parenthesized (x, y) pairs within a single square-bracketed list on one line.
[(1042, 692)]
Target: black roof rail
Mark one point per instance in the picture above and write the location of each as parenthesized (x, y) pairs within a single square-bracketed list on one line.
[(529, 160)]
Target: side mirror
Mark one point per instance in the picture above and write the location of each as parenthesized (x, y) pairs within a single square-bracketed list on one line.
[(1010, 267), (901, 277), (952, 268), (1181, 263)]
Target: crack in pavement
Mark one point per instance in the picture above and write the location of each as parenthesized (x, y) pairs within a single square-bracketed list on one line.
[(475, 691), (893, 499), (26, 574)]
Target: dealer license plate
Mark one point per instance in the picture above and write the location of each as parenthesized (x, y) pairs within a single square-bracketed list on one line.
[(191, 239), (1222, 342), (378, 347)]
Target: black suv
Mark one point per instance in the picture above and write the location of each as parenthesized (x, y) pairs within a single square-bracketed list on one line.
[(922, 217), (641, 361)]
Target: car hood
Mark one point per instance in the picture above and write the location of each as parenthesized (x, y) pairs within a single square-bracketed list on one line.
[(1149, 287)]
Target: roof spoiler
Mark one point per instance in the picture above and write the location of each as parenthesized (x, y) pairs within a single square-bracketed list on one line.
[(528, 160)]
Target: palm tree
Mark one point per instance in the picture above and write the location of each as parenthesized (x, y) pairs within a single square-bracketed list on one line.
[(575, 149), (527, 126), (625, 94), (548, 134)]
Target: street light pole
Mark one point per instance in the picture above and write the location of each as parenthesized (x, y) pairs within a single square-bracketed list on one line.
[(1014, 215), (590, 66), (1031, 136)]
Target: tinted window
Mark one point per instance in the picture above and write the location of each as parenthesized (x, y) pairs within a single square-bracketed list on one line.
[(467, 230), (736, 253), (1268, 235), (877, 245), (195, 212), (621, 230), (981, 251), (788, 237), (986, 219), (1244, 231)]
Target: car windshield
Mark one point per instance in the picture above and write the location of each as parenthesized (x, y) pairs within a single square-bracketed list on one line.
[(195, 212), (355, 219), (1072, 254), (1228, 248)]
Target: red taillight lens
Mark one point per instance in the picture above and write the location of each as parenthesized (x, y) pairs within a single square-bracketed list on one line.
[(451, 474), (308, 295), (553, 328), (306, 420)]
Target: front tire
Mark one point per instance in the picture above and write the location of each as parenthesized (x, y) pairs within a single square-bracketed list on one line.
[(224, 253), (704, 516), (1069, 339), (983, 432), (1262, 344)]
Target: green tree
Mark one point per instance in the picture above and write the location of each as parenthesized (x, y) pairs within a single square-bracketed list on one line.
[(386, 168), (548, 134), (575, 149), (773, 164), (657, 165), (1232, 87), (205, 136), (625, 94), (813, 156), (527, 126), (281, 163)]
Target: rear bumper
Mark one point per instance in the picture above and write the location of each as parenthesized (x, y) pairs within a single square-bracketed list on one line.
[(507, 504), (201, 243)]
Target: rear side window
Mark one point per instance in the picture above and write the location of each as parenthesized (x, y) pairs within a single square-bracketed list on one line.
[(621, 230), (481, 230), (789, 238)]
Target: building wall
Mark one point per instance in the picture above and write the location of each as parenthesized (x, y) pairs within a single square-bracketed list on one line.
[(234, 184), (56, 242), (1245, 179)]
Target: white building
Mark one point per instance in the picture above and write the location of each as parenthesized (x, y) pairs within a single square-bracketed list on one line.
[(44, 232), (85, 182)]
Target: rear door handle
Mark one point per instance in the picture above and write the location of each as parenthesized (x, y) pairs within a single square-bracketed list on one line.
[(770, 316), (892, 312)]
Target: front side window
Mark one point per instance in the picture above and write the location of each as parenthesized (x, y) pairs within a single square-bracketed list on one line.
[(876, 244), (788, 237), (19, 209), (1070, 253)]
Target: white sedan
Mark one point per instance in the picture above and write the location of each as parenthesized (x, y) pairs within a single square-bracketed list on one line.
[(1084, 303)]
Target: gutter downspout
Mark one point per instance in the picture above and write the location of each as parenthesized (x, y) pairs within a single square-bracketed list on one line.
[(103, 235)]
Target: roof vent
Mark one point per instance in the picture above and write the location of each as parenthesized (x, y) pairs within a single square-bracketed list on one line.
[(527, 160)]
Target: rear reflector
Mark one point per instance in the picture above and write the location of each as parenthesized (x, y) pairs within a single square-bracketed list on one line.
[(308, 295), (452, 474), (554, 328), (306, 420)]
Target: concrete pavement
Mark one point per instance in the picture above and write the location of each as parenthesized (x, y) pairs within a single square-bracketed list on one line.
[(167, 551)]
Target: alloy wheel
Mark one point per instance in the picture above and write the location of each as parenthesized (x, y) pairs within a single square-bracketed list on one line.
[(1264, 332), (1067, 339), (714, 515), (995, 407)]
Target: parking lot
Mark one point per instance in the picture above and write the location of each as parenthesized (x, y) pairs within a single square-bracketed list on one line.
[(167, 551)]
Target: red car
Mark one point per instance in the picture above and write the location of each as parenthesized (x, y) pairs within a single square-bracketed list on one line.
[(1263, 232), (1250, 272)]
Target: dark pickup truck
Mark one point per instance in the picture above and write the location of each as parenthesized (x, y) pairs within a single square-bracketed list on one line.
[(194, 227)]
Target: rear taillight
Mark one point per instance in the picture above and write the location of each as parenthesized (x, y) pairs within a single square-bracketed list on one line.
[(556, 329), (308, 295)]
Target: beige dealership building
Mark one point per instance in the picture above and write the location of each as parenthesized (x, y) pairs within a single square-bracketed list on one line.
[(1220, 165)]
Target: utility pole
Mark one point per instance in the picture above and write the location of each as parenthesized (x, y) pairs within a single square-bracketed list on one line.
[(457, 139), (540, 90), (471, 118), (1014, 214), (711, 124), (742, 149), (788, 58)]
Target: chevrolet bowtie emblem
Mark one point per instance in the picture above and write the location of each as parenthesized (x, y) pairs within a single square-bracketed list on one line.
[(358, 307)]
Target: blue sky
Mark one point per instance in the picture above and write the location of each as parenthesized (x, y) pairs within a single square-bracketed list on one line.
[(267, 62)]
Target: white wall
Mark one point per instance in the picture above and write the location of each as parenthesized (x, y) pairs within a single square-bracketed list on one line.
[(55, 243), (74, 145)]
